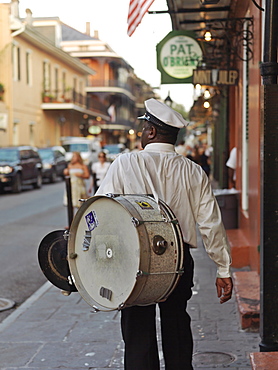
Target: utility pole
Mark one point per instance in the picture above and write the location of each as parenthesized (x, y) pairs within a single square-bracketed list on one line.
[(269, 184)]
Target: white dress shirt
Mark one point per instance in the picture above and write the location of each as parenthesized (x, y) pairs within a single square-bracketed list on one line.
[(183, 186)]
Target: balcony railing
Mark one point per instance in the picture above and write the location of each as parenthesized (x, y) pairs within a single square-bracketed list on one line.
[(109, 83), (67, 96), (71, 96)]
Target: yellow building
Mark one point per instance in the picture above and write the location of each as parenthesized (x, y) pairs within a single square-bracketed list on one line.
[(114, 85), (44, 87)]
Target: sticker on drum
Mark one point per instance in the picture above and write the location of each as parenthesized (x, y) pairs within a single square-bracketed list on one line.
[(91, 220), (119, 265), (144, 205)]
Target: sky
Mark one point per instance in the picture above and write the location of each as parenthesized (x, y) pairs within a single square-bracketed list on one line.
[(109, 17)]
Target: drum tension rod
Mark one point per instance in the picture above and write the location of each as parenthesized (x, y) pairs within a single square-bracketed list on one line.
[(95, 309), (137, 222)]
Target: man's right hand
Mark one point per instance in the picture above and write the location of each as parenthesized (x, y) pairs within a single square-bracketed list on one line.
[(224, 287)]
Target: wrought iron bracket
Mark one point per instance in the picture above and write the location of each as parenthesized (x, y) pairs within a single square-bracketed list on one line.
[(232, 39)]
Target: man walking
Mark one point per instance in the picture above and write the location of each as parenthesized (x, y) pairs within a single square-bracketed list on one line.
[(185, 188)]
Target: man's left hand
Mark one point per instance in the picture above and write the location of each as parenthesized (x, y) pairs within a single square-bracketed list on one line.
[(224, 287)]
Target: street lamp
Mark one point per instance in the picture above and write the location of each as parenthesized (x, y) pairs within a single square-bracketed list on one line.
[(168, 101), (207, 94), (207, 35)]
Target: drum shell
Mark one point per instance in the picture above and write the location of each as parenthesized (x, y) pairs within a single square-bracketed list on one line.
[(158, 272), (162, 269)]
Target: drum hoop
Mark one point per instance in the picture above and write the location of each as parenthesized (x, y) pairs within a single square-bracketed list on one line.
[(71, 250)]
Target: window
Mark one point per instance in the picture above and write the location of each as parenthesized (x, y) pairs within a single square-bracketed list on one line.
[(25, 154), (28, 68), (74, 89), (16, 62), (58, 154), (46, 76), (64, 83), (56, 82)]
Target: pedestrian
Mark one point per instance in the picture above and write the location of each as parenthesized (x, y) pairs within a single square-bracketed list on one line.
[(185, 188), (181, 148), (204, 160), (231, 164), (78, 172), (196, 155), (99, 170)]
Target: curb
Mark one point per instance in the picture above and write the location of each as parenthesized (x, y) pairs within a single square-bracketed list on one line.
[(24, 306), (247, 292)]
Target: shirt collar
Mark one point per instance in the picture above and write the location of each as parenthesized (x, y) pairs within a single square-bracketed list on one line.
[(159, 147)]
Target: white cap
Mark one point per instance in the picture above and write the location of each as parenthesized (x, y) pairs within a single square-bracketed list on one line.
[(160, 114)]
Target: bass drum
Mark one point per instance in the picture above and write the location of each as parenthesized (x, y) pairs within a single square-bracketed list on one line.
[(124, 250)]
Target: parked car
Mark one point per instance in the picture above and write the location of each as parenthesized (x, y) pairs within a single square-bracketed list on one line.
[(53, 162), (19, 166), (113, 150), (87, 148)]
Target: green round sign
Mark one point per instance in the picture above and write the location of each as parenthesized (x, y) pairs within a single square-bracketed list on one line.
[(178, 54)]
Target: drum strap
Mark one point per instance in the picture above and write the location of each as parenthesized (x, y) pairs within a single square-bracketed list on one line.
[(143, 167)]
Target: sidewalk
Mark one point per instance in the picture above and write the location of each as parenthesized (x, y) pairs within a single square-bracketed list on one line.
[(51, 331)]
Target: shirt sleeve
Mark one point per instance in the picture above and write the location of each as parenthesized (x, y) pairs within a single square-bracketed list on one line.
[(212, 230)]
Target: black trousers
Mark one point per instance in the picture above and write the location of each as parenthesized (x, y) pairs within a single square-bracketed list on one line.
[(139, 329)]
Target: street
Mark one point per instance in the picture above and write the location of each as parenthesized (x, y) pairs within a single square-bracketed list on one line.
[(53, 323), (25, 219)]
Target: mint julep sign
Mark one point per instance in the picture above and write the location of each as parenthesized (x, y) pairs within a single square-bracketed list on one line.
[(178, 54)]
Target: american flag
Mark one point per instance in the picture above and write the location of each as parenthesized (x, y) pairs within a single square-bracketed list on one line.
[(136, 12)]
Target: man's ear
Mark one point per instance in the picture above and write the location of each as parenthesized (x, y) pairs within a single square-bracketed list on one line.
[(152, 132)]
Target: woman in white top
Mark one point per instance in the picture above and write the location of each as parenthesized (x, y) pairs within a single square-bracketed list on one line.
[(78, 172), (99, 170)]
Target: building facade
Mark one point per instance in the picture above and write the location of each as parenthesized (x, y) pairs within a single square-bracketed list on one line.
[(44, 96), (230, 71), (114, 86), (60, 82)]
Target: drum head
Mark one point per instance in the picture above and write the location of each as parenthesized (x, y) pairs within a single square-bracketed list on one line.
[(106, 249), (52, 256)]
